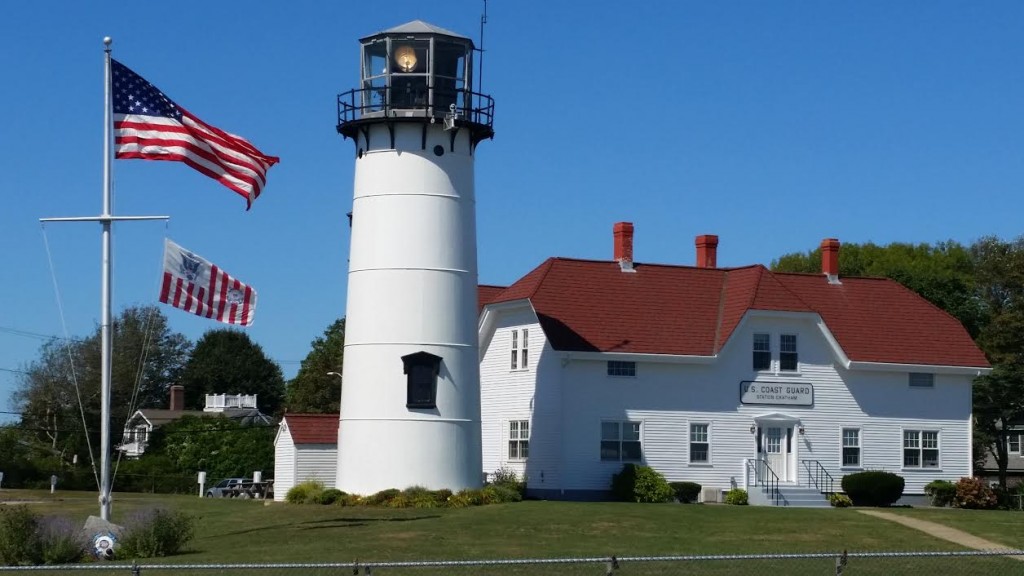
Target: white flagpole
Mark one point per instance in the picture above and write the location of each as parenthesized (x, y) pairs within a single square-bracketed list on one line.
[(106, 220), (106, 334)]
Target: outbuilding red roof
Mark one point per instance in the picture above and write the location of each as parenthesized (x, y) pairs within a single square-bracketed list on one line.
[(485, 293), (313, 428), (588, 305)]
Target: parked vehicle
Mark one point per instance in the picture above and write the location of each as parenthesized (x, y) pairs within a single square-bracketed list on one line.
[(224, 487)]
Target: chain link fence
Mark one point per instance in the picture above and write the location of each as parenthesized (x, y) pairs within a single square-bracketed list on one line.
[(961, 563)]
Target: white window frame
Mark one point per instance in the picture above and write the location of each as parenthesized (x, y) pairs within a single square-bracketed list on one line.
[(706, 441), (518, 440), (859, 437), (621, 369), (520, 349), (1014, 437), (795, 352), (620, 440), (918, 440)]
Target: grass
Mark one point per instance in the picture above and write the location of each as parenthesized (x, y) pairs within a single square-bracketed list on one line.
[(230, 531), (1000, 526)]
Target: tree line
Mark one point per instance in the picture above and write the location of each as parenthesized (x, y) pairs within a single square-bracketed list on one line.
[(57, 397)]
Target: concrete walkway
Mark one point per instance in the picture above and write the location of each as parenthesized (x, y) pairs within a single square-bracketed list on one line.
[(941, 531)]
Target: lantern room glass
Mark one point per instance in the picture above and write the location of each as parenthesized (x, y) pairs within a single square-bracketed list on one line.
[(428, 74)]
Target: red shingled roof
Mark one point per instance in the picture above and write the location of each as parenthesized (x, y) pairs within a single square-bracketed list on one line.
[(485, 293), (586, 305), (313, 428)]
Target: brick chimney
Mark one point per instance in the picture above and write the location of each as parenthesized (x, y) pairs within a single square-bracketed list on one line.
[(177, 398), (707, 251), (623, 236), (830, 259)]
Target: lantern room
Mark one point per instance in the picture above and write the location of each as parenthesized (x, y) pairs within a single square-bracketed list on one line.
[(416, 71)]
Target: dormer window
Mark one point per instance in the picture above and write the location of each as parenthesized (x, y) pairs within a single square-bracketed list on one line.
[(421, 371)]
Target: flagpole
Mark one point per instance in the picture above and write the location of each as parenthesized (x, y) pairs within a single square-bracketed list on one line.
[(106, 220), (106, 335)]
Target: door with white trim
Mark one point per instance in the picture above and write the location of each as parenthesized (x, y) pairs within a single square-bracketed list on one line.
[(776, 451)]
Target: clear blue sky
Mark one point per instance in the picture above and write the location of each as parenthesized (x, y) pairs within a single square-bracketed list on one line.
[(771, 124)]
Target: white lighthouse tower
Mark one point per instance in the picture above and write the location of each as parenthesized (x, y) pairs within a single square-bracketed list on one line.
[(410, 403)]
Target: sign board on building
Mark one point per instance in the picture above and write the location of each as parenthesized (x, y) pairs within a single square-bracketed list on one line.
[(776, 393)]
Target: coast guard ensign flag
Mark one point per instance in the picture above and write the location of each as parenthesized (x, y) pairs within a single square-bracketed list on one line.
[(148, 125), (196, 285)]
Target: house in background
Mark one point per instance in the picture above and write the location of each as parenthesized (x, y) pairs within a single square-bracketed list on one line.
[(729, 377), (1014, 458), (239, 407), (305, 448)]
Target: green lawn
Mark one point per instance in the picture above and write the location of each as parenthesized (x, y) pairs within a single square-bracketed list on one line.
[(1000, 526), (248, 530)]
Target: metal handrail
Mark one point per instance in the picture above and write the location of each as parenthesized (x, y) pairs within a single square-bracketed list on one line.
[(765, 477), (819, 477), (359, 103)]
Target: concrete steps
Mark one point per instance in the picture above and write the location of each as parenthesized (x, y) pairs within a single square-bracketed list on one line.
[(792, 496)]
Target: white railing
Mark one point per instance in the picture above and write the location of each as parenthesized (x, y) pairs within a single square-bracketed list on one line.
[(220, 402)]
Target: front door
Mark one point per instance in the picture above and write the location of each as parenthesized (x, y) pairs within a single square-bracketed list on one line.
[(776, 451)]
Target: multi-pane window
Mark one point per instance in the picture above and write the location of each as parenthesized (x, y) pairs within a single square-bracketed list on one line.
[(1013, 443), (518, 439), (619, 368), (700, 444), (520, 349), (787, 353), (620, 441), (851, 447), (921, 380), (762, 352), (920, 449)]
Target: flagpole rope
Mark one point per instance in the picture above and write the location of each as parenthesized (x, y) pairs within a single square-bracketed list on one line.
[(143, 358), (67, 348)]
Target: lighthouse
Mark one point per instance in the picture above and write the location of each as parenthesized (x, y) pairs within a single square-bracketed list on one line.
[(410, 402)]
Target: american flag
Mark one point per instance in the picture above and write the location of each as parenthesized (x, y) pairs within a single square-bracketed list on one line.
[(196, 285), (150, 126)]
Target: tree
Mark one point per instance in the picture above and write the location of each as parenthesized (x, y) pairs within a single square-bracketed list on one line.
[(147, 358), (221, 446), (313, 390), (999, 397), (227, 361)]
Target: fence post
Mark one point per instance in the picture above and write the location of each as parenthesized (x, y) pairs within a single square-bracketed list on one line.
[(136, 570), (611, 565), (840, 563)]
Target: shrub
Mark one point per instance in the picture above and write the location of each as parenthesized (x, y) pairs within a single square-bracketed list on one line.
[(640, 484), (873, 488), (686, 492), (460, 500), (381, 498), (942, 492), (736, 497), (305, 492), (500, 494), (62, 541), (509, 478), (420, 497), (839, 500), (329, 496), (975, 494), (443, 495), (155, 533), (20, 543), (349, 500)]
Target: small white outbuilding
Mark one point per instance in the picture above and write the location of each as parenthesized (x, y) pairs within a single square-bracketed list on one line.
[(305, 448)]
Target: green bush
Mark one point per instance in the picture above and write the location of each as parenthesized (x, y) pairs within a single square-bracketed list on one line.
[(973, 493), (640, 484), (942, 492), (460, 499), (349, 500), (420, 497), (873, 488), (20, 542), (329, 496), (839, 500), (686, 492), (501, 493), (381, 498), (508, 477), (736, 497), (155, 533), (305, 492)]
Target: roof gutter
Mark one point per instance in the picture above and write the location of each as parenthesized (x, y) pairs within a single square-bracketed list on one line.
[(933, 368), (636, 357)]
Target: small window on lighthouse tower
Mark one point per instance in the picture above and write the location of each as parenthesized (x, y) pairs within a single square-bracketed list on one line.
[(421, 369)]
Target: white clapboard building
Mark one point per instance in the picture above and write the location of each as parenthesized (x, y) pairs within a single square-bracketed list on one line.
[(729, 377), (305, 448)]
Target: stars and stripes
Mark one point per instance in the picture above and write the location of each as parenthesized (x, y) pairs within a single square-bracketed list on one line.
[(196, 285), (150, 126)]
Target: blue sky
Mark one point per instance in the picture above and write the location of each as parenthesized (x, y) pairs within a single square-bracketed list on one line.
[(771, 124)]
